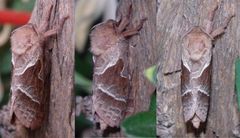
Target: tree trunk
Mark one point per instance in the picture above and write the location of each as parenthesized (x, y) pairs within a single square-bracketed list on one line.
[(142, 54), (142, 50), (174, 18), (60, 117)]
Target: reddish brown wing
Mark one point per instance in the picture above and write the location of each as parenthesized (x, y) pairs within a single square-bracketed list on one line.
[(187, 95), (110, 93), (204, 93), (111, 86), (27, 79), (27, 93), (195, 101)]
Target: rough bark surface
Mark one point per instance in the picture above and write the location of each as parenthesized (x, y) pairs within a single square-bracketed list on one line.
[(174, 18), (59, 53), (142, 52)]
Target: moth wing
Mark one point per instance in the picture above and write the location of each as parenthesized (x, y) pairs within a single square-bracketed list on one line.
[(29, 113), (110, 99), (27, 96), (30, 82), (106, 60), (204, 93), (185, 78), (203, 103), (124, 47), (109, 110), (23, 38), (189, 106), (188, 102)]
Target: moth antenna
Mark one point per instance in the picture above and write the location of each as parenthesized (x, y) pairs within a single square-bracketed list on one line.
[(222, 29), (57, 29), (209, 21), (141, 23), (212, 12), (187, 20), (135, 30), (124, 20)]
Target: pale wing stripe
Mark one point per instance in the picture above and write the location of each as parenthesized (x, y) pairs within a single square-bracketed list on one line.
[(114, 57), (186, 64), (196, 74), (105, 90), (27, 94), (187, 91), (203, 91), (20, 71)]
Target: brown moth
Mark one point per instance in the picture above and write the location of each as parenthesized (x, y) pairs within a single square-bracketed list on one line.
[(109, 45), (27, 84), (196, 69)]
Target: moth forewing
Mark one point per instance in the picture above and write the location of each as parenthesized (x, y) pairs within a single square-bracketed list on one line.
[(27, 77), (27, 85), (111, 78), (196, 59)]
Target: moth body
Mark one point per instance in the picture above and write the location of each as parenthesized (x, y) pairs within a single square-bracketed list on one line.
[(27, 76), (111, 82), (27, 85), (196, 70)]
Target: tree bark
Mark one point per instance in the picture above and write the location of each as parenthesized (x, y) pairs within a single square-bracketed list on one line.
[(60, 117), (142, 50), (174, 18), (142, 54)]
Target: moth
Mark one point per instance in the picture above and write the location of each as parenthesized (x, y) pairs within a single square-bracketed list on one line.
[(196, 69), (27, 85), (111, 80)]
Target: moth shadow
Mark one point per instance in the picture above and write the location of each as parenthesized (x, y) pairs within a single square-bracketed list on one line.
[(196, 132), (110, 130)]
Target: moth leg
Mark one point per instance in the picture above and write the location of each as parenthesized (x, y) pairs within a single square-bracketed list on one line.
[(209, 21), (124, 22), (221, 29), (134, 31), (55, 30), (45, 19)]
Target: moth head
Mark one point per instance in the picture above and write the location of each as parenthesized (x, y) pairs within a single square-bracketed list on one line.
[(103, 36), (198, 43), (23, 38)]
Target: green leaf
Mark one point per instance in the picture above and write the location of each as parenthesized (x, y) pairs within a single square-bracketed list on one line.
[(82, 122), (133, 126), (151, 74), (140, 125), (83, 82), (5, 67), (237, 80), (23, 5), (153, 104), (84, 64)]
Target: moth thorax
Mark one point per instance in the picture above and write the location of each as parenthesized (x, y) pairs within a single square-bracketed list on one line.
[(196, 121)]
